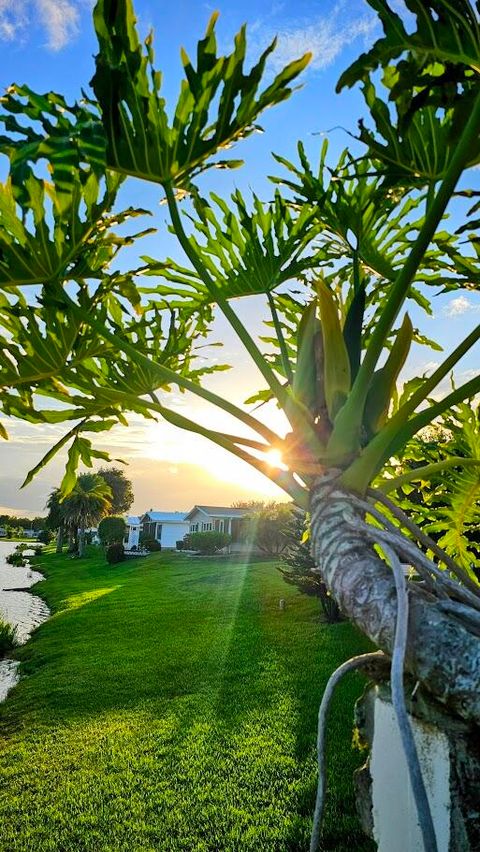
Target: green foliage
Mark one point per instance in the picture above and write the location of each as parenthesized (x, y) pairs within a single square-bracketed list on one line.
[(121, 488), (297, 566), (439, 66), (218, 103), (444, 498), (115, 553), (111, 529), (45, 536), (150, 544), (207, 543), (16, 559), (8, 638), (265, 527)]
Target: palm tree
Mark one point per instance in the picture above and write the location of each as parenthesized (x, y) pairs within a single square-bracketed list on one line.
[(89, 501), (56, 517)]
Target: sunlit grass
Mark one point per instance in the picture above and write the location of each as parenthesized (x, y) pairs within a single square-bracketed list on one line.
[(174, 708)]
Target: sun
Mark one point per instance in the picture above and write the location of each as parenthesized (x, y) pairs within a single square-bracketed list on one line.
[(274, 459)]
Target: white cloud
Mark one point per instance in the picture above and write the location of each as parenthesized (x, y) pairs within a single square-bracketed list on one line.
[(325, 37), (458, 306), (13, 18), (58, 18)]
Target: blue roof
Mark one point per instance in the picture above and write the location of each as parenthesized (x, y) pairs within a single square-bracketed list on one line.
[(165, 517), (133, 521)]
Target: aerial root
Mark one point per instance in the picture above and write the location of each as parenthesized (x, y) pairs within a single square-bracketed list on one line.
[(389, 540)]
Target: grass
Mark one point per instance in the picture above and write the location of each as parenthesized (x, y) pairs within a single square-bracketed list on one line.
[(171, 705), (8, 638)]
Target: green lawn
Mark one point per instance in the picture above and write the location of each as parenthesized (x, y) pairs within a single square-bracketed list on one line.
[(170, 705)]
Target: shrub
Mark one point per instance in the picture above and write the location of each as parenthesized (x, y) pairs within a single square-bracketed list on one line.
[(8, 637), (152, 545), (115, 553), (111, 529), (16, 559), (45, 536), (265, 528), (298, 567), (208, 543), (180, 545)]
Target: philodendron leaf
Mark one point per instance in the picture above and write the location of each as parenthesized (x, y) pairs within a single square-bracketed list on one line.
[(304, 384), (353, 328), (336, 359), (384, 380), (218, 103)]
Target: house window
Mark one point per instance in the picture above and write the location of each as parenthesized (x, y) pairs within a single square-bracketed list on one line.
[(206, 526), (193, 527), (158, 535)]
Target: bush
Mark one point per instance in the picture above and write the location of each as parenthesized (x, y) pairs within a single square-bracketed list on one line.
[(8, 637), (180, 545), (111, 529), (16, 559), (207, 543), (152, 545), (115, 553), (45, 536)]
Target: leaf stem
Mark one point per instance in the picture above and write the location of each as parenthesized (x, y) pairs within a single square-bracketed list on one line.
[(353, 409)]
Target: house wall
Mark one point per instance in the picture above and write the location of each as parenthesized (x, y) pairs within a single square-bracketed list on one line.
[(200, 522), (172, 532)]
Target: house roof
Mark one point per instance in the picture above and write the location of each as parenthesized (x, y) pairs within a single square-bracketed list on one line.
[(164, 517), (219, 512), (133, 521)]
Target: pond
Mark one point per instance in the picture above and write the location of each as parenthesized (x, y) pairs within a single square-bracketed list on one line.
[(18, 607)]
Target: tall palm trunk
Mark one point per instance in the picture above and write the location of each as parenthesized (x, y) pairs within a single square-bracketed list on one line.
[(60, 537), (81, 540), (441, 653)]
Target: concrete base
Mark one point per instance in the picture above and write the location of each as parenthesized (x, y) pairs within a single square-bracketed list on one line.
[(449, 753)]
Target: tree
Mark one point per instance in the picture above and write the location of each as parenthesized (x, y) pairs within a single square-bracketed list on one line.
[(335, 255), (121, 488), (111, 530), (298, 565), (87, 503), (266, 527), (56, 519)]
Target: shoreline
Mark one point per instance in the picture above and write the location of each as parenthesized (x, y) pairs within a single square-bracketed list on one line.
[(35, 614)]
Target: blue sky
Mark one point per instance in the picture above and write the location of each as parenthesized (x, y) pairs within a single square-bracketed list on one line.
[(49, 44)]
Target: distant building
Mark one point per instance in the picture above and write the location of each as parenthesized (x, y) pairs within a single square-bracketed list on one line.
[(221, 519), (165, 527), (3, 532), (30, 533), (132, 532)]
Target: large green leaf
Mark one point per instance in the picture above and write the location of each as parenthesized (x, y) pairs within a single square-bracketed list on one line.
[(218, 102), (245, 250)]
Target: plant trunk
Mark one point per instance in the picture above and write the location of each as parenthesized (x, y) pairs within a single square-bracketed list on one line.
[(81, 541), (441, 653), (60, 535)]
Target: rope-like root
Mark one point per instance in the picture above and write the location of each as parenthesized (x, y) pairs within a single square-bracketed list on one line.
[(391, 542), (335, 678), (398, 701), (444, 586)]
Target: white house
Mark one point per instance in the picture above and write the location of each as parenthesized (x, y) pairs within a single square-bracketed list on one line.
[(221, 519), (132, 532), (166, 527)]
